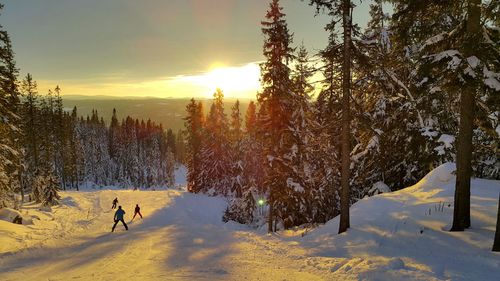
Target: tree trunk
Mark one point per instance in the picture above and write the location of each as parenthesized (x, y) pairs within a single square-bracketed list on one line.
[(270, 218), (461, 212), (496, 243), (21, 185), (346, 88)]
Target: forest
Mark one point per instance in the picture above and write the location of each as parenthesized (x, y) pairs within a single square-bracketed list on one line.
[(57, 149), (416, 88), (388, 111), (250, 140)]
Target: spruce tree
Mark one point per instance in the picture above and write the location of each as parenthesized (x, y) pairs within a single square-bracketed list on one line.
[(216, 164), (342, 9), (171, 141), (180, 147), (194, 124), (242, 209), (452, 43), (30, 128), (10, 152), (236, 144), (286, 121), (301, 128)]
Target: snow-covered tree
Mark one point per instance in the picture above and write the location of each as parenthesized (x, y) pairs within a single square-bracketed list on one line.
[(10, 152), (454, 46), (46, 187), (216, 172), (275, 110), (194, 123), (341, 10)]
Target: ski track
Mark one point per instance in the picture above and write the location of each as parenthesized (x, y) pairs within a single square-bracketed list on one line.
[(182, 237), (178, 239)]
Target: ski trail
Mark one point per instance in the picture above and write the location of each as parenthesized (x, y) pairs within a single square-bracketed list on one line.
[(181, 237)]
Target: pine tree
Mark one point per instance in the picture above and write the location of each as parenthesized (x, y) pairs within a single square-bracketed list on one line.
[(180, 147), (75, 154), (343, 9), (194, 123), (302, 127), (236, 143), (60, 138), (30, 128), (242, 209), (377, 112), (171, 141), (10, 155), (452, 43), (170, 164), (327, 109), (46, 187), (275, 110), (461, 213), (216, 166)]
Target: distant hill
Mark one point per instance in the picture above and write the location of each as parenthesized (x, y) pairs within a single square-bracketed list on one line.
[(167, 111)]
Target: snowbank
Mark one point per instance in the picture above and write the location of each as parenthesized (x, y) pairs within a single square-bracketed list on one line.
[(404, 235), (8, 215), (438, 177)]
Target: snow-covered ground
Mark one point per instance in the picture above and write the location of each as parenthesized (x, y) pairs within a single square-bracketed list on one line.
[(394, 236)]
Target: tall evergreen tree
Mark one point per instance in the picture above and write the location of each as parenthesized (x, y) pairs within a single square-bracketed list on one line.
[(194, 123), (216, 161), (10, 155), (453, 45), (236, 143), (30, 129), (276, 107), (180, 147), (342, 9)]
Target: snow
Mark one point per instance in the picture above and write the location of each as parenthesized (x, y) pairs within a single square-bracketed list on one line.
[(180, 174), (435, 89), (428, 131), (7, 214), (473, 61), (393, 236), (452, 55), (447, 143), (297, 187), (433, 40), (378, 188), (492, 79)]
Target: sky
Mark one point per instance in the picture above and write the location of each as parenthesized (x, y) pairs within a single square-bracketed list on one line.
[(158, 48)]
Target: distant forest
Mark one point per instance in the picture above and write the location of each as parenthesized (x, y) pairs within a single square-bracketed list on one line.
[(167, 111)]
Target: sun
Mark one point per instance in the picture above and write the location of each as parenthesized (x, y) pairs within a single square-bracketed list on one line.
[(235, 81)]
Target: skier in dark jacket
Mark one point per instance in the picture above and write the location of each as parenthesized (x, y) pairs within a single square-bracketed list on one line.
[(119, 217), (137, 211), (115, 201)]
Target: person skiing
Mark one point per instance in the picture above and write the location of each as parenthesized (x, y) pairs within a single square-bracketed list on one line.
[(115, 201), (119, 217), (137, 211)]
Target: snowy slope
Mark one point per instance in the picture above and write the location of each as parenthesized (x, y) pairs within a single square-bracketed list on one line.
[(404, 235), (182, 237)]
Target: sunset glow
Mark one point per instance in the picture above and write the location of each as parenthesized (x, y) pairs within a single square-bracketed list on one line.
[(239, 81), (236, 82)]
